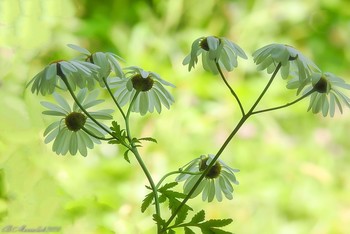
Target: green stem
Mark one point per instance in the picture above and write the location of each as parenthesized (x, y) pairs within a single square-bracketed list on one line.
[(173, 173), (140, 161), (222, 148), (115, 100), (97, 137), (265, 89), (286, 105), (230, 88)]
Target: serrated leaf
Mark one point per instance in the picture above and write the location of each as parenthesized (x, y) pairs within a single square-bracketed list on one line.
[(214, 231), (167, 186), (181, 216), (162, 198), (148, 139), (158, 220), (174, 194), (199, 217), (188, 231), (118, 133), (217, 222), (147, 202)]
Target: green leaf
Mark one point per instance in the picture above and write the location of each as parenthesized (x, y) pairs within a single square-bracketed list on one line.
[(181, 216), (199, 217), (171, 231), (115, 142), (126, 156), (158, 220), (167, 186), (162, 198), (210, 226), (118, 133), (147, 202), (148, 139), (188, 231), (217, 222), (214, 231)]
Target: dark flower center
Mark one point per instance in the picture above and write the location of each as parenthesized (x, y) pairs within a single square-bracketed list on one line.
[(90, 59), (142, 84), (204, 43), (75, 121), (213, 172), (322, 85)]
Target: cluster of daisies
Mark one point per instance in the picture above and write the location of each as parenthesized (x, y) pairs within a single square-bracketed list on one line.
[(324, 88), (78, 128)]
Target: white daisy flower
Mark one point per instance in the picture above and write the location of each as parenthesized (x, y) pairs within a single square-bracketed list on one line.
[(214, 49), (216, 182), (149, 86), (74, 131)]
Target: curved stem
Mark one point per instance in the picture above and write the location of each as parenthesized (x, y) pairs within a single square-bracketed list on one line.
[(286, 105), (230, 88), (115, 100), (140, 161), (97, 137), (222, 148), (176, 172)]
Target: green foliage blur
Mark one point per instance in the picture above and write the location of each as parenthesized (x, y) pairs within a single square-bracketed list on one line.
[(295, 166)]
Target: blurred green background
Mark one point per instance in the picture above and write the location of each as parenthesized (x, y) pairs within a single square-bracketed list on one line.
[(295, 166)]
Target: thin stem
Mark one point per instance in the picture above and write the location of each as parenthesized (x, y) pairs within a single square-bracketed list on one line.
[(140, 161), (115, 100), (286, 105), (222, 148), (97, 137), (230, 88), (265, 89), (175, 172)]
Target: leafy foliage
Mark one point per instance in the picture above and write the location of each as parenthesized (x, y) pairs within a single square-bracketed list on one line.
[(198, 220), (122, 138), (119, 134), (211, 226)]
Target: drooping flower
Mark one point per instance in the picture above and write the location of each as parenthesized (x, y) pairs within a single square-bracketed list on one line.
[(293, 63), (149, 86), (214, 49), (72, 132), (327, 94), (76, 73), (216, 182), (107, 62)]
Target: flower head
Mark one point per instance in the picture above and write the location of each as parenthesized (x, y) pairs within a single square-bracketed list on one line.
[(218, 180), (292, 61), (76, 73), (214, 49), (107, 62), (72, 132), (148, 85), (327, 94)]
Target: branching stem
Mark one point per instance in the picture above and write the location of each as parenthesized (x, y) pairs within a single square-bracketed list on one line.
[(222, 148)]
